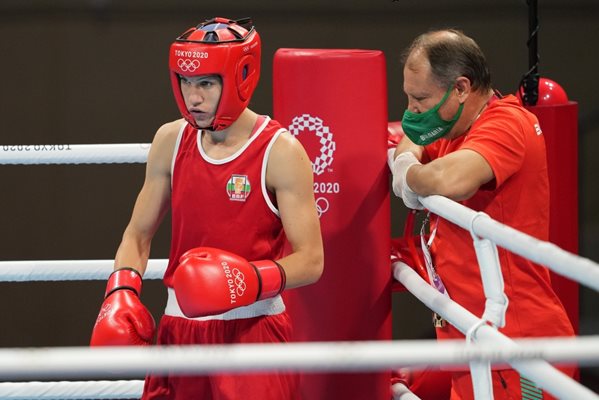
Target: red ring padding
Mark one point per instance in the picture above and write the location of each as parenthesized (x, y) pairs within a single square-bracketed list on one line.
[(559, 123), (342, 94)]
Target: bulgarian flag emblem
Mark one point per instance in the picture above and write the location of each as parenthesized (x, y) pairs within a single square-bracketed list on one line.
[(238, 187)]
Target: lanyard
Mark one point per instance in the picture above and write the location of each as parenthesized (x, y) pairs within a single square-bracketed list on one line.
[(434, 278)]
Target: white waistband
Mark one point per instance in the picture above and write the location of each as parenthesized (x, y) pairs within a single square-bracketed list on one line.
[(271, 306)]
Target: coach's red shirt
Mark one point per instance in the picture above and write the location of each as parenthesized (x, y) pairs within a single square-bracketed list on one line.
[(510, 139)]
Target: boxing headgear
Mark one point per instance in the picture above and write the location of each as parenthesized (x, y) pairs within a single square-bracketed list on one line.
[(224, 47)]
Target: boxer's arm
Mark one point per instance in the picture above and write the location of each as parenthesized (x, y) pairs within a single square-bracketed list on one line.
[(289, 176), (152, 202), (123, 319)]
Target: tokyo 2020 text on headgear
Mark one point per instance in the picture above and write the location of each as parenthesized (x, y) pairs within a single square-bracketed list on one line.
[(224, 47)]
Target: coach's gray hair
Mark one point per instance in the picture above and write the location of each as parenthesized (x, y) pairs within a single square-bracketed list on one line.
[(452, 54)]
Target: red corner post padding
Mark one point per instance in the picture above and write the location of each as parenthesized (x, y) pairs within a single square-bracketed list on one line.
[(335, 102), (559, 123)]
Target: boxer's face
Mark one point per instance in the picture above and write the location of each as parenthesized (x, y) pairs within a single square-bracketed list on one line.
[(201, 95)]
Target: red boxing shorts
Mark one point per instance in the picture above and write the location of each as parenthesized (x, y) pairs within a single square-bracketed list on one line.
[(262, 329)]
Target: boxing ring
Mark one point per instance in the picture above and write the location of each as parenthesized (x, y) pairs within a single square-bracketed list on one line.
[(356, 344), (484, 345)]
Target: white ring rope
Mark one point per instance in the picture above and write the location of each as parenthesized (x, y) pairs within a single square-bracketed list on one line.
[(577, 268), (135, 361), (74, 153), (539, 371), (69, 270), (64, 390), (359, 356)]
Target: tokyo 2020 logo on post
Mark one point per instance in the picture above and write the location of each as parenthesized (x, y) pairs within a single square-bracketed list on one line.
[(322, 146), (327, 149)]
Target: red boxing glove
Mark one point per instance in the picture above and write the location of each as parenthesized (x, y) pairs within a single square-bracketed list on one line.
[(211, 281), (123, 320), (408, 250), (410, 254), (394, 134)]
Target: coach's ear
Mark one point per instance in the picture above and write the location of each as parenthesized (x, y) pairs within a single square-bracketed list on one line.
[(463, 87)]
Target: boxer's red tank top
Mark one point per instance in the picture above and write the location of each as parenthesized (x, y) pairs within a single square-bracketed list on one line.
[(224, 203)]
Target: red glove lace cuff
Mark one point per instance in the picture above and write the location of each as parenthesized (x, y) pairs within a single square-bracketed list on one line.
[(124, 278), (271, 278)]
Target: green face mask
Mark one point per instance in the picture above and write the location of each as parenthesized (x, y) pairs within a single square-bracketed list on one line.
[(424, 128)]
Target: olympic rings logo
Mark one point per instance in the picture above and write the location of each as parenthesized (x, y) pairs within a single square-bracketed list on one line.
[(322, 206), (240, 285), (187, 65), (315, 124), (104, 311)]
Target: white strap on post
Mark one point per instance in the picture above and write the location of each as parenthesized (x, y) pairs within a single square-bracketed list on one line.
[(480, 372), (401, 392), (492, 278)]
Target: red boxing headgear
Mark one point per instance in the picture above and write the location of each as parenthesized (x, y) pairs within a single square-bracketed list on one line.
[(223, 47)]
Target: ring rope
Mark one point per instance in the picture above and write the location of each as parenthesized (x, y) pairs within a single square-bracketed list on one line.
[(539, 371), (69, 270), (580, 269), (74, 154), (355, 356), (71, 390), (137, 361)]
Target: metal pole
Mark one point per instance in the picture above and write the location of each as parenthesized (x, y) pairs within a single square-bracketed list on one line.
[(530, 82)]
